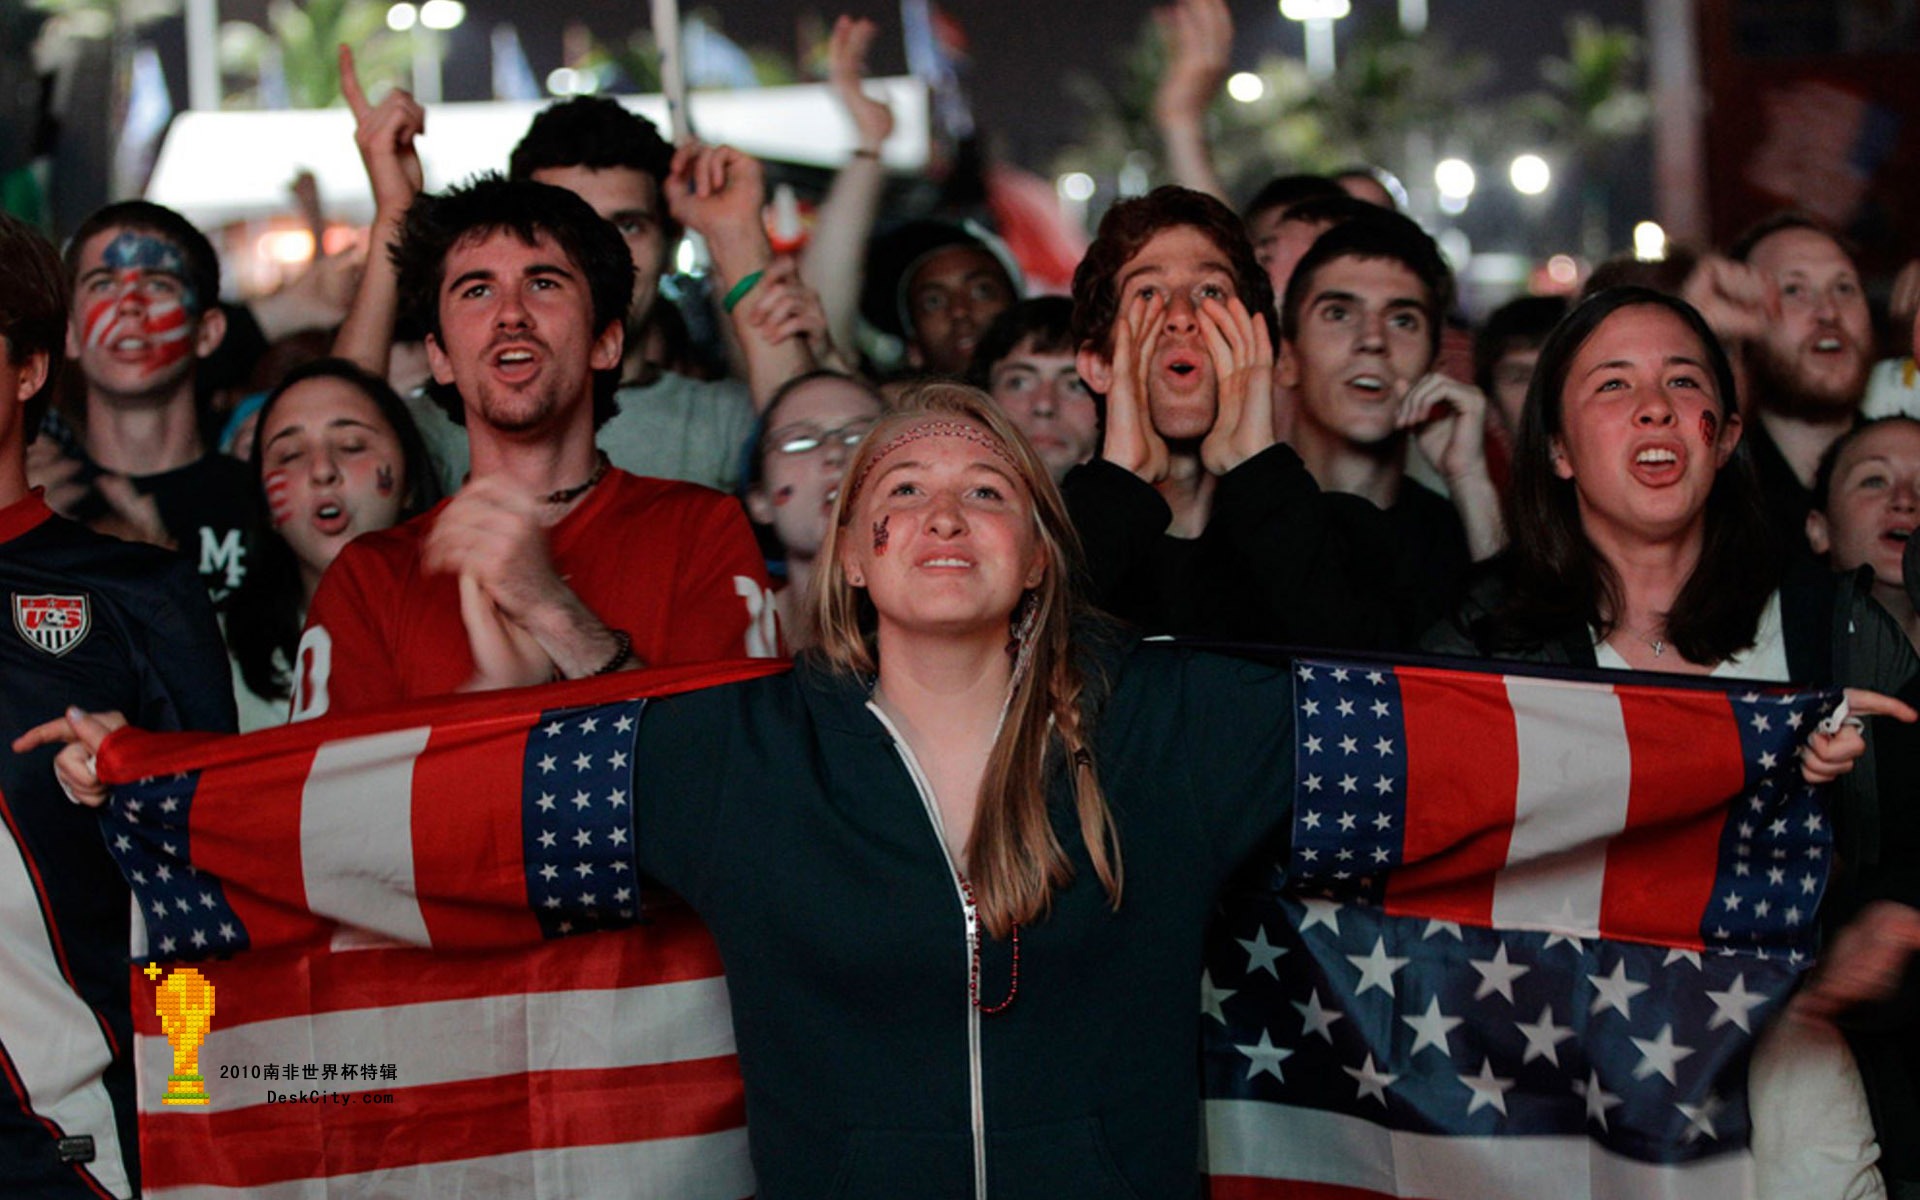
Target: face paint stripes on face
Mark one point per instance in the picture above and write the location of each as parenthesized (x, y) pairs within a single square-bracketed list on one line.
[(279, 498), (383, 479), (881, 535), (150, 272), (1709, 427)]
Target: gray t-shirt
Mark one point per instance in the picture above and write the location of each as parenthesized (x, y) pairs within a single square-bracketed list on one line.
[(672, 428)]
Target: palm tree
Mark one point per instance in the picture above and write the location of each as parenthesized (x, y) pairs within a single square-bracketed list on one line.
[(293, 64), (1592, 106)]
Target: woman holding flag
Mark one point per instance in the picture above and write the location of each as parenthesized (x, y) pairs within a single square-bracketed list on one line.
[(1639, 544), (960, 861)]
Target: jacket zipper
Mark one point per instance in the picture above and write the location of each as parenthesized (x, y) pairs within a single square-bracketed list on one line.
[(976, 1090)]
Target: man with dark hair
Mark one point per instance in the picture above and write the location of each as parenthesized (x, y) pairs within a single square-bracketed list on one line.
[(1282, 235), (1025, 361), (1360, 328), (1506, 349), (100, 624), (938, 286), (1267, 216), (145, 289), (548, 563), (1195, 520), (1807, 359), (657, 423)]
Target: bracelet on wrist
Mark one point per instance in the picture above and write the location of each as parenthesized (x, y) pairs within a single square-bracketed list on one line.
[(863, 152), (739, 291), (622, 652)]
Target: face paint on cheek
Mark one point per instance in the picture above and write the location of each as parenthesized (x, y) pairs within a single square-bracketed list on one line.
[(1709, 427), (279, 497), (783, 496), (880, 535), (383, 479), (163, 324)]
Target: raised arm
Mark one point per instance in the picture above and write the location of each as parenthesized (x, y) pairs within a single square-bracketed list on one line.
[(718, 192), (832, 262), (1199, 35), (384, 134)]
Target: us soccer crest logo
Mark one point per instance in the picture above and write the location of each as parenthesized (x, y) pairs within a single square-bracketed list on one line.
[(55, 624)]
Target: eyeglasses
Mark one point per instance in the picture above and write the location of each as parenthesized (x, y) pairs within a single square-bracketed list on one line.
[(805, 439)]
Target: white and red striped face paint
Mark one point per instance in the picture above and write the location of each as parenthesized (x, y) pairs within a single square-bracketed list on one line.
[(136, 302), (279, 489)]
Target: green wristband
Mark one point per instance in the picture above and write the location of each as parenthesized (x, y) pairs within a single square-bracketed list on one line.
[(740, 290)]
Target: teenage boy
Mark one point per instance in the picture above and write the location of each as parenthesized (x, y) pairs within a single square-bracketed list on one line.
[(145, 287), (548, 563)]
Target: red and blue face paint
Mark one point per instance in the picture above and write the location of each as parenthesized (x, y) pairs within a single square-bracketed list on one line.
[(138, 301), (1709, 427)]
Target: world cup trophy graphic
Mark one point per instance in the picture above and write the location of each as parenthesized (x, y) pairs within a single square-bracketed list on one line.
[(185, 1005)]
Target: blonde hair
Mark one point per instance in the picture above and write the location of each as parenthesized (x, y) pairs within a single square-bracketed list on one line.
[(1015, 861)]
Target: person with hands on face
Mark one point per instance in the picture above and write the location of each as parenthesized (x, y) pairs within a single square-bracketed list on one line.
[(1361, 323), (548, 563), (1196, 520)]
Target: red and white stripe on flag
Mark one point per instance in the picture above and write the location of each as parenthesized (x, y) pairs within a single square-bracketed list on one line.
[(591, 1065), (502, 1065), (1632, 778)]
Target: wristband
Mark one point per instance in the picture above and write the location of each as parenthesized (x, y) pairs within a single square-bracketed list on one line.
[(739, 291), (863, 152), (622, 651)]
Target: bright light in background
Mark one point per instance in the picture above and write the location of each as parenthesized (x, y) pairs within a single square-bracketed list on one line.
[(1530, 174), (1454, 178), (1456, 248), (442, 14), (1076, 186), (1649, 242), (1246, 87), (565, 81), (1563, 270), (286, 246), (685, 259), (1314, 10), (402, 17)]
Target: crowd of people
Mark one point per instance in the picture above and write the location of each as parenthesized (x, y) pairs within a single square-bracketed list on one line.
[(500, 464)]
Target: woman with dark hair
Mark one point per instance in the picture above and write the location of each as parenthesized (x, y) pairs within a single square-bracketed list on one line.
[(337, 455), (960, 861), (1640, 543), (809, 430)]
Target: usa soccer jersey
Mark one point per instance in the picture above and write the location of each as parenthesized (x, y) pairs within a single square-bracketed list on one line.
[(102, 624)]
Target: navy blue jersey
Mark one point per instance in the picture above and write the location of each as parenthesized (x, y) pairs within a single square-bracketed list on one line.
[(102, 624)]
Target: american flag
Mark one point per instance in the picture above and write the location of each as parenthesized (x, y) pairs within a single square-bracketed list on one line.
[(441, 1035), (1541, 976)]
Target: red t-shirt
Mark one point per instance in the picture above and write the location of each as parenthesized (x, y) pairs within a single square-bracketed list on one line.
[(672, 564)]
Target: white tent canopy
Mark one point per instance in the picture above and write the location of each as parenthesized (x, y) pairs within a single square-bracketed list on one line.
[(219, 167)]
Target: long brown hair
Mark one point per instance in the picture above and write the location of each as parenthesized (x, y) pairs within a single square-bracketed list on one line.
[(1014, 860)]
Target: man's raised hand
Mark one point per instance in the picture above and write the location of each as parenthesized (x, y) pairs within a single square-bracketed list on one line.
[(1242, 353)]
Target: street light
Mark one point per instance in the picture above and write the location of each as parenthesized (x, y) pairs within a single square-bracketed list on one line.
[(1318, 17), (442, 14), (1454, 179), (1649, 242), (1529, 174), (1246, 87), (426, 23)]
